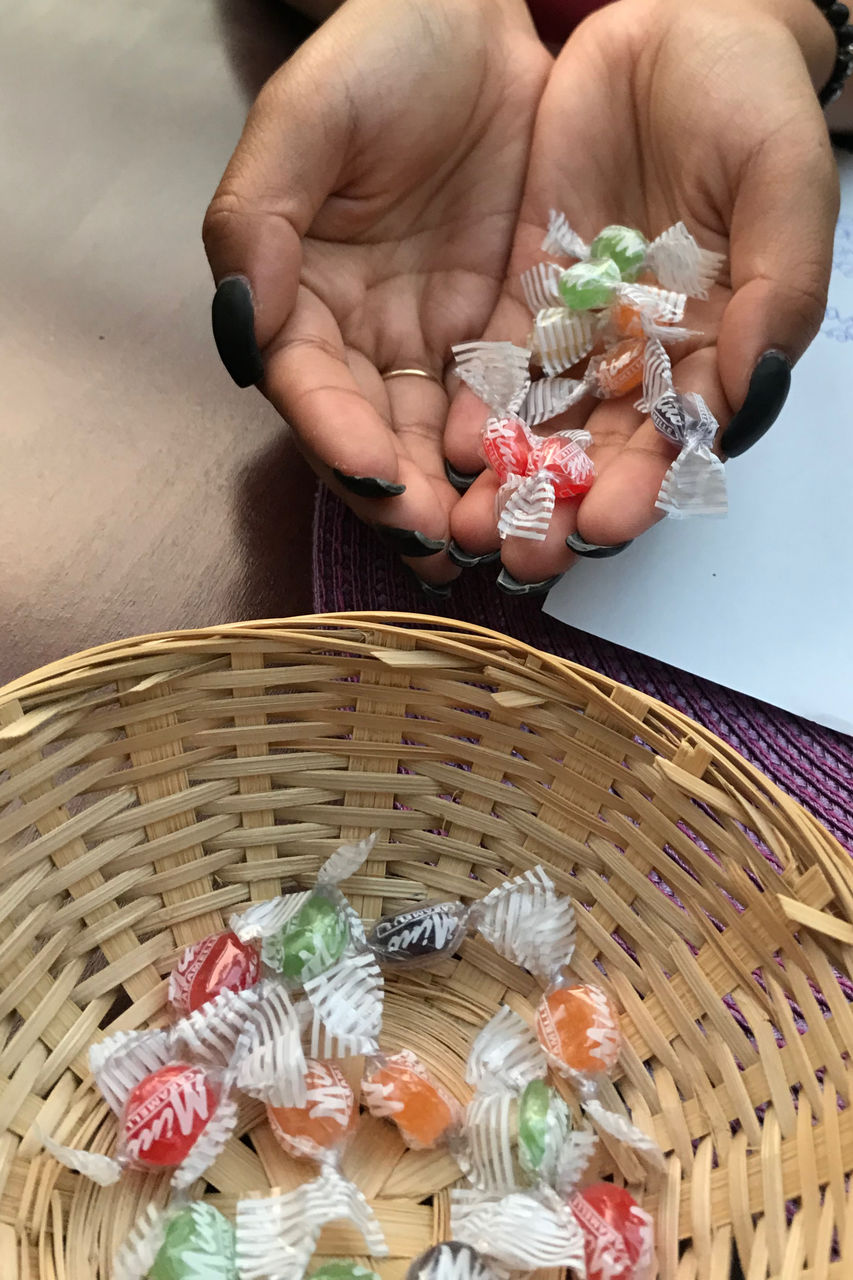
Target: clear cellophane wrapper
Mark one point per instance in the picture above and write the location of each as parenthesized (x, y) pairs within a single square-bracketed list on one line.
[(450, 1260), (345, 986), (277, 1235), (695, 484)]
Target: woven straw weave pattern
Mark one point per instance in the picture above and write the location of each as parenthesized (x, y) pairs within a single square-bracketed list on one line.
[(150, 788)]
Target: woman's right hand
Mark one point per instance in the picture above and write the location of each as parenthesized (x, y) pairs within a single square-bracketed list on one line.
[(364, 224)]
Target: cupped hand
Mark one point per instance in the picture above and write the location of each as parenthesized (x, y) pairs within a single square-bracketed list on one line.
[(363, 225), (657, 112)]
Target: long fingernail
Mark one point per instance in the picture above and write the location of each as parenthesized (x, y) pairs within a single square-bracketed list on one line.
[(408, 542), (458, 478), (233, 316), (508, 584), (467, 561), (368, 486), (432, 590), (591, 550), (767, 393)]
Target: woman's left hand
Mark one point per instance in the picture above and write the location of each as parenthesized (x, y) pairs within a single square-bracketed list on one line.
[(656, 112)]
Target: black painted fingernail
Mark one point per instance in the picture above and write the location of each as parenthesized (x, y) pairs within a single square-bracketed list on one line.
[(458, 478), (507, 583), (432, 590), (408, 542), (467, 561), (767, 393), (591, 550), (368, 486), (233, 316)]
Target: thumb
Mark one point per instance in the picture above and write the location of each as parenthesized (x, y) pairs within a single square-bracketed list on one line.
[(782, 229), (286, 163)]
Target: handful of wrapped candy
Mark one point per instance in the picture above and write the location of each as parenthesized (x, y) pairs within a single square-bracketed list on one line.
[(598, 308)]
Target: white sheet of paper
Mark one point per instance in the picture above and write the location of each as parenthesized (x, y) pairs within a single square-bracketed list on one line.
[(761, 601)]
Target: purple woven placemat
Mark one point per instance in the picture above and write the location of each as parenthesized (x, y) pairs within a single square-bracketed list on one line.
[(814, 765)]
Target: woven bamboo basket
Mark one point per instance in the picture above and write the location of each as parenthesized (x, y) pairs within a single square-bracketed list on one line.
[(151, 787)]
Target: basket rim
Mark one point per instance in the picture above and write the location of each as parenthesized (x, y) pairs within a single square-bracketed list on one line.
[(508, 651)]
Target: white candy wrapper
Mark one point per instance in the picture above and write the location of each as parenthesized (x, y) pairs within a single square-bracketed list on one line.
[(695, 484), (530, 924), (269, 1061), (122, 1060), (277, 1235), (679, 263), (626, 1132), (450, 1261), (497, 372), (348, 1001), (521, 1231)]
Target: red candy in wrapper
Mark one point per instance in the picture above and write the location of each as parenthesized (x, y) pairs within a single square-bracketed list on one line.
[(166, 1114), (327, 1118), (220, 962), (618, 1234), (534, 471)]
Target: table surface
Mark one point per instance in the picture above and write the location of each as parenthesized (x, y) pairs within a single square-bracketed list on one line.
[(140, 490)]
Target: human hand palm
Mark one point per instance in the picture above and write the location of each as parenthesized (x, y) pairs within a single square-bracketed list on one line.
[(651, 116), (374, 224)]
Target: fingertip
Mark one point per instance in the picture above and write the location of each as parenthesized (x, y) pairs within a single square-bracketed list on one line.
[(466, 418)]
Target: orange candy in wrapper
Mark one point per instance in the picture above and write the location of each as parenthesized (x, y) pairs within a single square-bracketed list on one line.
[(318, 1129), (579, 1030), (398, 1087)]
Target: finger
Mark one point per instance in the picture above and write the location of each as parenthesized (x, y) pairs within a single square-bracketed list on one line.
[(528, 562), (473, 528), (467, 415), (781, 256), (632, 458), (286, 163), (309, 380), (418, 408)]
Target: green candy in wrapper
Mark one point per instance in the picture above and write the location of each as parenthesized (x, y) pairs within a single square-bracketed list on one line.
[(340, 1269), (198, 1245), (589, 285), (311, 941), (543, 1123), (624, 246)]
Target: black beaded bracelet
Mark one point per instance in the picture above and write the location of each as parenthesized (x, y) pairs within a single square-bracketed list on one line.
[(837, 16)]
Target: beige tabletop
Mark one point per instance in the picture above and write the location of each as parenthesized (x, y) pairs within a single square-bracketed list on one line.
[(139, 489)]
